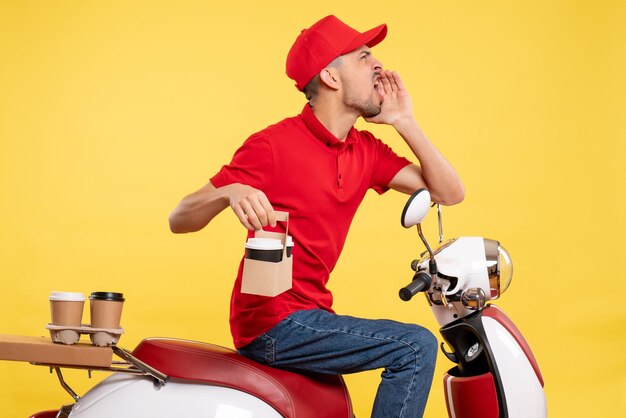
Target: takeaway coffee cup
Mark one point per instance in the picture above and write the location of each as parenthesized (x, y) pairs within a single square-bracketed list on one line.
[(66, 308), (267, 249), (289, 245), (106, 309)]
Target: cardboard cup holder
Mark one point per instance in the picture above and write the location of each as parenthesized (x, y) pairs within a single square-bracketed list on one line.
[(268, 264), (101, 337), (66, 309)]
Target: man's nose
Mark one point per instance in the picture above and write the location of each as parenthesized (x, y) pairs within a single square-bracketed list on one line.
[(378, 66)]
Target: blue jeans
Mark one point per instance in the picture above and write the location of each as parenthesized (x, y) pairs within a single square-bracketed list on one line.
[(322, 342)]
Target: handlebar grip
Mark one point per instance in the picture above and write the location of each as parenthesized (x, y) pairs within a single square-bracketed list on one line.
[(421, 282)]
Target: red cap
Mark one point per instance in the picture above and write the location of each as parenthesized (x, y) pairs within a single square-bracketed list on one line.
[(327, 39)]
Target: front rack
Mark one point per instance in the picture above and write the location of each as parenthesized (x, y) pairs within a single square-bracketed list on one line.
[(130, 364)]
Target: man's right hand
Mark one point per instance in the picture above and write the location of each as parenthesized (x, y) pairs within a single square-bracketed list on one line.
[(196, 210), (251, 206)]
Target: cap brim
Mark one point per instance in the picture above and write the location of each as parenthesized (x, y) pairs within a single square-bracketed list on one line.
[(370, 38)]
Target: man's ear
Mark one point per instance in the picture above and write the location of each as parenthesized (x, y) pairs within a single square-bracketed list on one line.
[(330, 78)]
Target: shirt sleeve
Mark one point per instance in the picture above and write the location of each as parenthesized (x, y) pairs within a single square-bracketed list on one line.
[(252, 165), (386, 165)]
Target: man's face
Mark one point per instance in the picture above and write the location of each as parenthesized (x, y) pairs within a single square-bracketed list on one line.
[(360, 76)]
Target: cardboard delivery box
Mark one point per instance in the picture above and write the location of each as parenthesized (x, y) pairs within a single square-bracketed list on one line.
[(42, 350)]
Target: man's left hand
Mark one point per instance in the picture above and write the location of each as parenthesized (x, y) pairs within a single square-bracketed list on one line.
[(396, 105)]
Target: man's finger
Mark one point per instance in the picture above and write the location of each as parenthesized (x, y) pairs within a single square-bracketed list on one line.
[(241, 215), (260, 211), (392, 81), (269, 210), (398, 80), (251, 214), (384, 79)]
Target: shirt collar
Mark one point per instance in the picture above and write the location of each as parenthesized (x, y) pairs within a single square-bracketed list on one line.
[(320, 132)]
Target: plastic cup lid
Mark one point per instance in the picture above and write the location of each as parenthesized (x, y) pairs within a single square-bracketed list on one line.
[(117, 297), (67, 296), (264, 244)]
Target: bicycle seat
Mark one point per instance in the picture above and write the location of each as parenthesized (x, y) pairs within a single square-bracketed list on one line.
[(291, 394)]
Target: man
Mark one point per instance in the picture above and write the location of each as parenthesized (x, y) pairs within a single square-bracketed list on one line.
[(317, 167)]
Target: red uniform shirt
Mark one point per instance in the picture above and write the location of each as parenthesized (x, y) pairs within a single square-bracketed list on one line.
[(304, 170)]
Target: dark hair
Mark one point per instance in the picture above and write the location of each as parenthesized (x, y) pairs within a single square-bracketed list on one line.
[(312, 88)]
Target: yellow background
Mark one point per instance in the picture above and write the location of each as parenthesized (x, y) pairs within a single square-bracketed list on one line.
[(112, 111)]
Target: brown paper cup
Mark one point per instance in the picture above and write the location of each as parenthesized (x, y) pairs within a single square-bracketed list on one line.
[(106, 309), (66, 308)]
